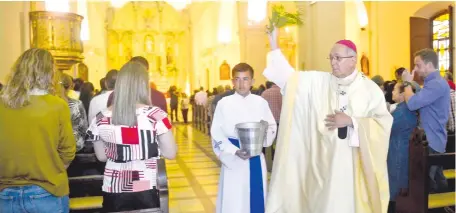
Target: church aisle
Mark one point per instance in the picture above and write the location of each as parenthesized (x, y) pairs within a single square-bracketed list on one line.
[(193, 175)]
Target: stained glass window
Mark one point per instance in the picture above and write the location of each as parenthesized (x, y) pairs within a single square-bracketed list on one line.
[(441, 40)]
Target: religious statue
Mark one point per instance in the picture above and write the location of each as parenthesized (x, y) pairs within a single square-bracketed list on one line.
[(365, 64), (169, 55), (158, 65), (225, 71), (83, 71)]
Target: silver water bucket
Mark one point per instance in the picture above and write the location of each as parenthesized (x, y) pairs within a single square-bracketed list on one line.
[(251, 137)]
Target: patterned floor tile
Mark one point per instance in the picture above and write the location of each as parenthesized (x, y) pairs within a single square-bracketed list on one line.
[(190, 205), (210, 179), (205, 171), (178, 182), (210, 190), (176, 193), (193, 175), (208, 164)]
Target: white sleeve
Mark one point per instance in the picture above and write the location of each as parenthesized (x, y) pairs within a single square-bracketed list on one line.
[(220, 142), (222, 147), (272, 127), (92, 110), (278, 70), (353, 137)]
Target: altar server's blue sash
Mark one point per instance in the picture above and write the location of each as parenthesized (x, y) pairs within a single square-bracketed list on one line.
[(256, 182)]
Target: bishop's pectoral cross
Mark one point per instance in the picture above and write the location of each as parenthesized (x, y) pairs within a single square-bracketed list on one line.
[(342, 132)]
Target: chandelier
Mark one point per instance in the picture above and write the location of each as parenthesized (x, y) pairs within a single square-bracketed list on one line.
[(362, 13), (257, 10), (118, 3), (178, 4)]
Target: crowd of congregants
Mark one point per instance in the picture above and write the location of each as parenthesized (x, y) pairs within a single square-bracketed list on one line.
[(48, 116)]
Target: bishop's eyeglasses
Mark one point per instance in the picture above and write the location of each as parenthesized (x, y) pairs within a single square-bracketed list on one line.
[(338, 58)]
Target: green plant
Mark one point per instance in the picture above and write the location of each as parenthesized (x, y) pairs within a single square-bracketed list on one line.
[(281, 18)]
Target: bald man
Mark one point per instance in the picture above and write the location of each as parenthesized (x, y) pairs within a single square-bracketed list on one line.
[(333, 138)]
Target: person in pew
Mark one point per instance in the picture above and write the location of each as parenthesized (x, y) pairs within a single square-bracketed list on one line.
[(130, 136), (433, 104), (36, 138), (333, 137), (404, 122), (158, 98), (100, 101), (78, 113), (243, 180)]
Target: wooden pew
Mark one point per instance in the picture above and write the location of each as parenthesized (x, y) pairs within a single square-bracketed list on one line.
[(416, 199), (95, 203), (162, 183)]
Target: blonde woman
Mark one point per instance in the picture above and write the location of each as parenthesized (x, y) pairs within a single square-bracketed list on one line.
[(37, 142), (77, 110), (131, 135)]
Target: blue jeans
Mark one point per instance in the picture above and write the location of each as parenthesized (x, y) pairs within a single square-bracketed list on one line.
[(438, 182), (31, 199)]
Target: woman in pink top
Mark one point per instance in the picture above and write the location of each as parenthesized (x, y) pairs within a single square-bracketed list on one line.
[(130, 136)]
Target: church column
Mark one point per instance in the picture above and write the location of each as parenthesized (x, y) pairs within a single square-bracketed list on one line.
[(326, 29), (304, 36), (189, 69), (14, 36), (95, 49), (253, 41)]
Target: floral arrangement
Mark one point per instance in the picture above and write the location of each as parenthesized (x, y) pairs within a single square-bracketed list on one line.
[(281, 18)]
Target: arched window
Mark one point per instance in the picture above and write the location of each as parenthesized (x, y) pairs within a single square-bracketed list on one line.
[(442, 40)]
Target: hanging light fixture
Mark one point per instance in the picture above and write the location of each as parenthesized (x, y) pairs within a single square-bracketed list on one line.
[(178, 4), (82, 10), (257, 10), (362, 14), (57, 5), (118, 3), (226, 17)]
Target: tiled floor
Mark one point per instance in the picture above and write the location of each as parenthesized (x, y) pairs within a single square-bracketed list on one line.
[(193, 175)]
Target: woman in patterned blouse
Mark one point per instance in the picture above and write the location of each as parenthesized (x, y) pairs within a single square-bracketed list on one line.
[(78, 113), (131, 135)]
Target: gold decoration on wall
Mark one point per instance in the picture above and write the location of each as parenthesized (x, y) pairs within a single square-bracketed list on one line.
[(149, 43), (59, 33), (225, 71), (365, 65), (119, 48)]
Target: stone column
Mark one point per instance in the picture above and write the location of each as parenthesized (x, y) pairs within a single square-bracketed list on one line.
[(253, 43), (304, 53), (14, 34)]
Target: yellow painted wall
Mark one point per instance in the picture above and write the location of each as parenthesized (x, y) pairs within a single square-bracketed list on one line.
[(390, 31), (95, 47), (326, 28), (208, 52), (385, 40), (14, 34)]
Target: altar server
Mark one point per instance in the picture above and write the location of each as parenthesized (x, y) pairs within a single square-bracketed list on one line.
[(334, 136), (243, 180)]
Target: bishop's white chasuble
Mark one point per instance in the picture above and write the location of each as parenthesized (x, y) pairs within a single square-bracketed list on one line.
[(315, 171)]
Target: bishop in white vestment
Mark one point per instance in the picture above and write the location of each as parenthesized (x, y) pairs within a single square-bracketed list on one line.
[(243, 182), (333, 138)]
